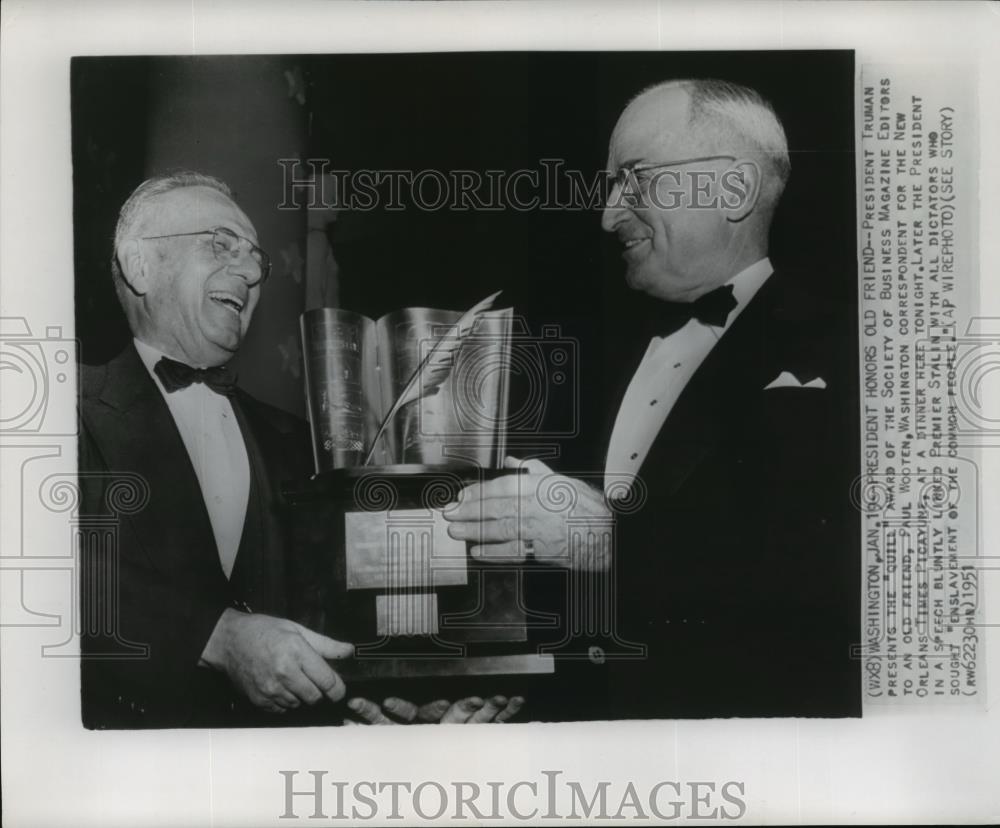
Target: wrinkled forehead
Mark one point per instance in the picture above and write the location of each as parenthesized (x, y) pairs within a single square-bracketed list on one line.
[(188, 209), (654, 127)]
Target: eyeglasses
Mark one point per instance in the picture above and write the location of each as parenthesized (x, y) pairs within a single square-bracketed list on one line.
[(227, 246), (632, 179)]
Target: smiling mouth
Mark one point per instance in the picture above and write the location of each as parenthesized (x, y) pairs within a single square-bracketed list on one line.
[(633, 247), (229, 301)]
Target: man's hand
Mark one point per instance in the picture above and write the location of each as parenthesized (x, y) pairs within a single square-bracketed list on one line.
[(473, 710), (277, 663), (516, 515)]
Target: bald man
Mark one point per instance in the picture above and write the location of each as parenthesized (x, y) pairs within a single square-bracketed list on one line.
[(738, 571)]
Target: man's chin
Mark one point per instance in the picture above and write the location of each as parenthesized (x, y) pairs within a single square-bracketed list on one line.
[(633, 278), (219, 350), (640, 279), (667, 287)]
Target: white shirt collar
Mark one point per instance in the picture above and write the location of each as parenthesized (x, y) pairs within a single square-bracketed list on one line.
[(150, 356), (745, 284)]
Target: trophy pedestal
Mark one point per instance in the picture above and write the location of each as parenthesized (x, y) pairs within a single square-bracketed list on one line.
[(396, 585), (372, 669)]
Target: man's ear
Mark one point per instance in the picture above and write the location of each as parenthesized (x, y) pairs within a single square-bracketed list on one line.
[(741, 186), (134, 267)]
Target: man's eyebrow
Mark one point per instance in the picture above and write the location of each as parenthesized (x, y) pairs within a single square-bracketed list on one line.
[(235, 228), (632, 162)]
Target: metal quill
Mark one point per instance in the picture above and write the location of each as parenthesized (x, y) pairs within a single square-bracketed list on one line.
[(435, 368)]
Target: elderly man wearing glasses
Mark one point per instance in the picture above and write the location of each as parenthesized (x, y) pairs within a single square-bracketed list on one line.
[(733, 572), (173, 641), (186, 604)]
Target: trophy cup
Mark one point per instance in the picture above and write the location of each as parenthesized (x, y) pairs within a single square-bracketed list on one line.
[(405, 411)]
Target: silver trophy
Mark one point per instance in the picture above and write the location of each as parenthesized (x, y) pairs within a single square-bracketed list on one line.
[(405, 411)]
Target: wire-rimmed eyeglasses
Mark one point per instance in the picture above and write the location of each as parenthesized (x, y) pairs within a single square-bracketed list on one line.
[(227, 246), (632, 180)]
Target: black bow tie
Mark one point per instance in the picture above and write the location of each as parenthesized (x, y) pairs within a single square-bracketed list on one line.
[(712, 308), (176, 375)]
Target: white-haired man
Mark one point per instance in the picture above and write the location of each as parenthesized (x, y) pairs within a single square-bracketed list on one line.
[(187, 605), (209, 546), (736, 571)]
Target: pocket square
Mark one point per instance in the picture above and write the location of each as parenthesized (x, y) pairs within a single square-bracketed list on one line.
[(788, 380)]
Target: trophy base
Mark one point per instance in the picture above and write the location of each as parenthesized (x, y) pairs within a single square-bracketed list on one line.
[(392, 582), (371, 669)]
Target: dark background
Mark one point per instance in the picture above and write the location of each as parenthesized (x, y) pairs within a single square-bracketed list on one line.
[(235, 116)]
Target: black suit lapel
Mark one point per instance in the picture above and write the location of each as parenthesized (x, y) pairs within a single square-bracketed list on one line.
[(259, 572), (134, 431), (713, 398)]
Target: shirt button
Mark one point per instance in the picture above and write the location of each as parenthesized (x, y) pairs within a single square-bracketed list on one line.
[(633, 455), (596, 655), (652, 402)]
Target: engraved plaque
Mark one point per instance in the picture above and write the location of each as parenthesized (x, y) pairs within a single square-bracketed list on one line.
[(401, 549), (388, 578)]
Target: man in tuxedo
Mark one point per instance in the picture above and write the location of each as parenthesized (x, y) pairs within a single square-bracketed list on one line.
[(186, 615), (734, 565), (189, 607)]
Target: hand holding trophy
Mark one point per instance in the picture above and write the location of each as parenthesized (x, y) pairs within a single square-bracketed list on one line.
[(406, 411)]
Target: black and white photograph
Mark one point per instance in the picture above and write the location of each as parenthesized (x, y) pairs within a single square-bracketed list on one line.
[(645, 456), (619, 376)]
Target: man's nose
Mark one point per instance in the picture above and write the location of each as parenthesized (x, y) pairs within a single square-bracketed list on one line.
[(243, 264), (614, 210)]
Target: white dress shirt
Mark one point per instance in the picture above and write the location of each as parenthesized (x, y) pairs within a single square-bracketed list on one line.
[(666, 368), (211, 434)]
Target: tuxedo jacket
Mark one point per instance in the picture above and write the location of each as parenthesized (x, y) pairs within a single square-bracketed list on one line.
[(152, 585), (738, 564)]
